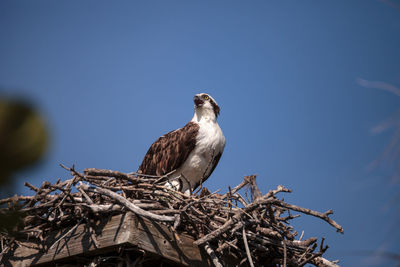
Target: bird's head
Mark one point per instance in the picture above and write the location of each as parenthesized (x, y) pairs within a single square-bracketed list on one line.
[(204, 103)]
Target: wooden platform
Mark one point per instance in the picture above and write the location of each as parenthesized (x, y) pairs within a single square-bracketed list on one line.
[(111, 234)]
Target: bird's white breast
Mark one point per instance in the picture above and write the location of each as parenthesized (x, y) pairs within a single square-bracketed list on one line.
[(210, 142)]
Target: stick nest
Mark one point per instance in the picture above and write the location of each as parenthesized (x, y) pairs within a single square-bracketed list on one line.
[(252, 228)]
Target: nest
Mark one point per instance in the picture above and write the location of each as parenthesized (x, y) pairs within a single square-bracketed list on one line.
[(250, 227)]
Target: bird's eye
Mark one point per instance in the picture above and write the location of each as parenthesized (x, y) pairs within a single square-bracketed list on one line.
[(206, 97)]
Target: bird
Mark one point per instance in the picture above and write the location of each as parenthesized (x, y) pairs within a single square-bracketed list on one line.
[(187, 156)]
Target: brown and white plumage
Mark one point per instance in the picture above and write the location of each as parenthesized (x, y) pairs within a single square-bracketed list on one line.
[(190, 154), (170, 150)]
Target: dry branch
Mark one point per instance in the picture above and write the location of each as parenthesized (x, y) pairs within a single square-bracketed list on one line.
[(135, 209)]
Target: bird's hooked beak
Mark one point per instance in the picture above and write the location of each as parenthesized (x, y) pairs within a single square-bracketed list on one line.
[(198, 102)]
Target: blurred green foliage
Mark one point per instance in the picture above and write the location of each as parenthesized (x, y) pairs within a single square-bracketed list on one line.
[(23, 142), (23, 137)]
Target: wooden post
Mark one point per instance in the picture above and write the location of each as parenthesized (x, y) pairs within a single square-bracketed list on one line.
[(111, 233)]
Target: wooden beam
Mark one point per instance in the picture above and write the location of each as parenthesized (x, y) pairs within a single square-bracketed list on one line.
[(110, 233)]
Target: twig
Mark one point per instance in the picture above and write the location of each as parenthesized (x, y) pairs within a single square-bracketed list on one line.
[(246, 246), (323, 216), (88, 199), (135, 209), (212, 255), (238, 187), (322, 262), (30, 186), (67, 233), (301, 236), (219, 231), (284, 254)]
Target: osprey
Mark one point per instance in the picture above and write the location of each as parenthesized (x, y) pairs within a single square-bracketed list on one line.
[(188, 155)]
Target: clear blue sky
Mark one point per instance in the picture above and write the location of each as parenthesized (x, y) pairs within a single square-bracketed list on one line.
[(112, 76)]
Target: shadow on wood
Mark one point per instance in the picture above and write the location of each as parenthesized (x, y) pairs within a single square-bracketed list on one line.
[(119, 236)]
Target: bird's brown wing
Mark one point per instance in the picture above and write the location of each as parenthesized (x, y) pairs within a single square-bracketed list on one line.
[(170, 151)]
